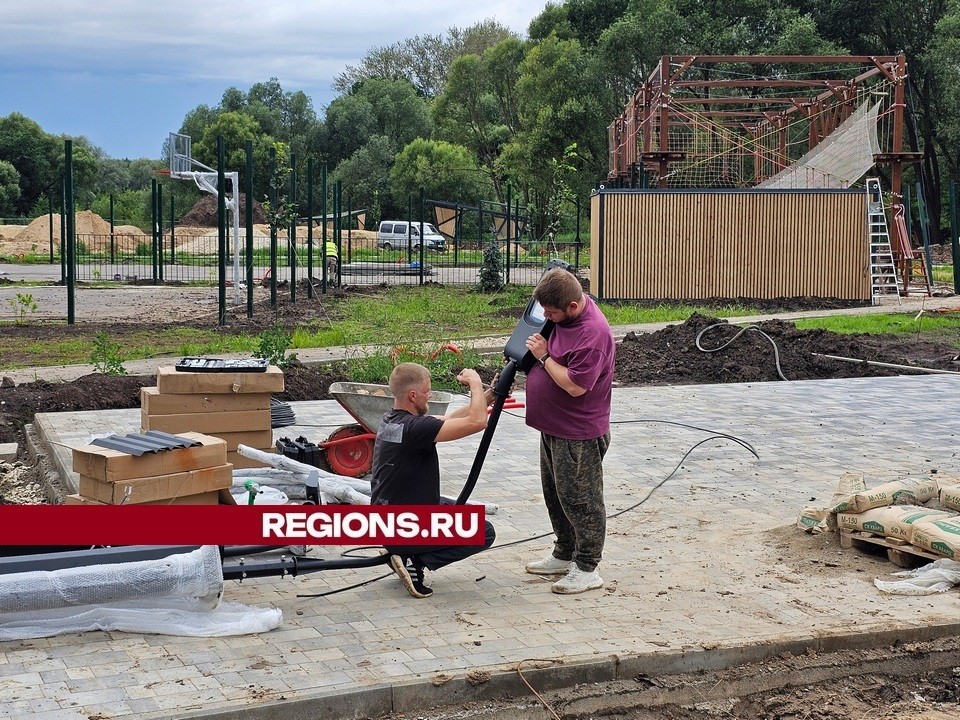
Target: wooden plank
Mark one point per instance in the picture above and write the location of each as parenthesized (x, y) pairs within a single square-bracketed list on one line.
[(897, 551)]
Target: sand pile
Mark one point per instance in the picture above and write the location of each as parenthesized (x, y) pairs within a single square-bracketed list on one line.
[(92, 230)]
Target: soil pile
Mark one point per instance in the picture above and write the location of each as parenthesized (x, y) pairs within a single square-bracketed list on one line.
[(667, 357), (204, 212)]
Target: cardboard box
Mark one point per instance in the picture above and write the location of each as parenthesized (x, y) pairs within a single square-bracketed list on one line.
[(136, 491), (172, 382), (111, 465), (259, 439), (207, 498), (212, 423), (153, 403)]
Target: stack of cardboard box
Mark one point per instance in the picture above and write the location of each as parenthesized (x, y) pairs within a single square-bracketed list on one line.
[(233, 406), (198, 475)]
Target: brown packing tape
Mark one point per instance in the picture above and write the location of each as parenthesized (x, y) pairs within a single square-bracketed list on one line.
[(111, 465), (153, 402), (170, 381), (135, 491)]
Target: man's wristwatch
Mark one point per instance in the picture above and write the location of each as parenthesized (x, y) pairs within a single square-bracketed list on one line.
[(543, 360)]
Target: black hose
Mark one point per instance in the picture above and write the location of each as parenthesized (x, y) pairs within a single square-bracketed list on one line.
[(754, 328)]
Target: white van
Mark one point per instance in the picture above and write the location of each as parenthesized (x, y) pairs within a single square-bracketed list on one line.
[(393, 234)]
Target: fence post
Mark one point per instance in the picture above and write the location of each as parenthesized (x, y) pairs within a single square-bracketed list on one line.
[(248, 217), (173, 239), (310, 229), (337, 219), (160, 231), (506, 277), (222, 235), (323, 195), (925, 232), (50, 223), (63, 230), (112, 236), (576, 248), (272, 168), (71, 232), (292, 234), (153, 230), (954, 240), (423, 242)]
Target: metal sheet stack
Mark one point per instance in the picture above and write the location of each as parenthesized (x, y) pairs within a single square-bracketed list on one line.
[(197, 475)]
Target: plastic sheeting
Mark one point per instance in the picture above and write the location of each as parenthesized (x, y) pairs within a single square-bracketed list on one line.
[(194, 578), (937, 577), (177, 595)]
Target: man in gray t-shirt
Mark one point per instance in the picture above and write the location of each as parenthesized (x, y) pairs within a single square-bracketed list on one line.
[(406, 467)]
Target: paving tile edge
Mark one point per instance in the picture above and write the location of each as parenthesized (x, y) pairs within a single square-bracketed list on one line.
[(505, 683)]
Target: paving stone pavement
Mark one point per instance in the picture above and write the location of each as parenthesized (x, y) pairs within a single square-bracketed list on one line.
[(692, 571)]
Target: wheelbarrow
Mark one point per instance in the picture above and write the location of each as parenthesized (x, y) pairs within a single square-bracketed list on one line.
[(349, 449)]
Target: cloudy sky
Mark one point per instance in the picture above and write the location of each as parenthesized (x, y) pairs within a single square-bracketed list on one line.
[(125, 72)]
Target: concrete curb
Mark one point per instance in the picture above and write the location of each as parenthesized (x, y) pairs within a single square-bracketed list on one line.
[(505, 683)]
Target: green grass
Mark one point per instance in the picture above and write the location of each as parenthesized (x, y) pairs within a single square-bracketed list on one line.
[(940, 326), (421, 319)]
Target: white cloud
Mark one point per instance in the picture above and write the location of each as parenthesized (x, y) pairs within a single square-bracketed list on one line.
[(241, 41)]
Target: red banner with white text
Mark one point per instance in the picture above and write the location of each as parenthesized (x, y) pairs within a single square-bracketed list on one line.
[(241, 525)]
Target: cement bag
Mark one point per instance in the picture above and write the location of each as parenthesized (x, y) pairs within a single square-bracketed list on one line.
[(850, 484), (904, 491), (950, 496), (903, 518), (878, 521), (816, 520), (937, 577), (941, 536)]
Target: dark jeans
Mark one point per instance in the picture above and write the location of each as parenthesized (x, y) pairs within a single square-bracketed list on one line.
[(435, 557)]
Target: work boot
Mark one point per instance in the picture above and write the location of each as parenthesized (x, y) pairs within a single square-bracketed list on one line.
[(577, 581), (549, 566), (414, 584)]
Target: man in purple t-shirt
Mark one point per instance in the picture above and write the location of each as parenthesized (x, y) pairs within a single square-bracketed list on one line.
[(568, 401)]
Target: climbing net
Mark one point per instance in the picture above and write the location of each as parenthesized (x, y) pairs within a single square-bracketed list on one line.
[(738, 135)]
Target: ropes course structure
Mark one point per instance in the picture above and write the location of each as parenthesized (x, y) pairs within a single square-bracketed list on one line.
[(774, 122)]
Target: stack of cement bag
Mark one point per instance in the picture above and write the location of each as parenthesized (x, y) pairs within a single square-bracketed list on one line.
[(920, 511)]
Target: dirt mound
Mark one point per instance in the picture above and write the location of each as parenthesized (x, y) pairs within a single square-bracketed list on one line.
[(671, 357), (204, 212)]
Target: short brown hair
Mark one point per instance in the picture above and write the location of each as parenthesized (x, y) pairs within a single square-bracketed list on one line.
[(407, 376), (557, 289)]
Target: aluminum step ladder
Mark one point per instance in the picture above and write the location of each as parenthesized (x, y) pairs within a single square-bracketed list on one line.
[(883, 271)]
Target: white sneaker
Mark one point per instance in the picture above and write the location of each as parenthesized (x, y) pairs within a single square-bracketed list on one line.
[(549, 566), (577, 581)]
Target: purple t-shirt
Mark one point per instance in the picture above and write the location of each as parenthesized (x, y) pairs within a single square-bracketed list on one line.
[(587, 349)]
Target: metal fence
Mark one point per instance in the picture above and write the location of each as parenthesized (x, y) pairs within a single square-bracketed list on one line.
[(194, 259)]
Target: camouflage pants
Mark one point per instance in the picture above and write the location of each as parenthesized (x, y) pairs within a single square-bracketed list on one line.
[(571, 472)]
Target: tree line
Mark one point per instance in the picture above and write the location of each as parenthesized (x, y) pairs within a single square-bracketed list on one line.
[(466, 113)]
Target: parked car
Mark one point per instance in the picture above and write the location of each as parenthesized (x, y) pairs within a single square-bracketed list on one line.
[(394, 234)]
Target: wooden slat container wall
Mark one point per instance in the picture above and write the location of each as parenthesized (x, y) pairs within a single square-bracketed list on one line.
[(687, 245)]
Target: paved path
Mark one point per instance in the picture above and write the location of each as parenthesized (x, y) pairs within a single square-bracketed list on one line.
[(707, 572)]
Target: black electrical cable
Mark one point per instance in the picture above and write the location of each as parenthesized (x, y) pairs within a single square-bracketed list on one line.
[(714, 436), (754, 328)]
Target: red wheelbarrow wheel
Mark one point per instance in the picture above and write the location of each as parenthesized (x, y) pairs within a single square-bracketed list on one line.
[(352, 459)]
